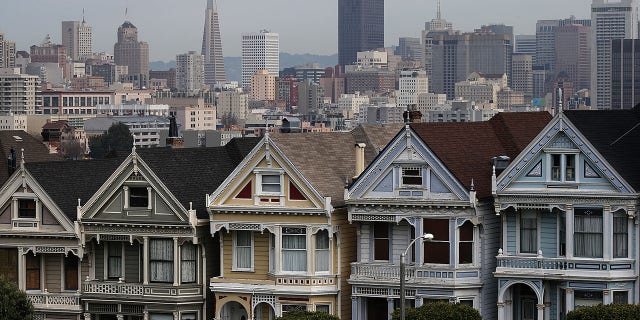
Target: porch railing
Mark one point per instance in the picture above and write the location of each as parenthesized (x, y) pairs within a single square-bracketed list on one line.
[(427, 273), (140, 290), (540, 263), (48, 301)]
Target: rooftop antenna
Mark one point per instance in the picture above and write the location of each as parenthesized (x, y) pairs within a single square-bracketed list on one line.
[(438, 14), (83, 15), (126, 14)]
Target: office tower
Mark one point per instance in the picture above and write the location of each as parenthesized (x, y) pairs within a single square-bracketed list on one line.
[(48, 52), (438, 24), (77, 38), (625, 74), (130, 52), (263, 86), (332, 82), (610, 20), (522, 74), (310, 97), (455, 56), (7, 53), (18, 92), (432, 27), (212, 46), (360, 28), (260, 51), (189, 72), (287, 91), (573, 54), (410, 49), (411, 84), (545, 39), (525, 44), (540, 76)]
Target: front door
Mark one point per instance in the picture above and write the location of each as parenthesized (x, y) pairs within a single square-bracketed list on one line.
[(528, 309)]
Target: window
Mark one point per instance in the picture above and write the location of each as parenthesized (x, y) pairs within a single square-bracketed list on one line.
[(563, 167), (161, 260), (9, 267), (27, 208), (114, 260), (326, 308), (322, 251), (528, 232), (621, 297), (437, 250), (188, 263), (588, 233), (294, 249), (33, 272), (620, 235), (381, 241), (556, 167), (243, 259), (412, 176), (138, 197), (271, 183), (587, 298), (290, 307), (465, 246), (71, 272), (570, 168)]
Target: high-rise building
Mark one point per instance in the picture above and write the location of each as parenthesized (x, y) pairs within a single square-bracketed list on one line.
[(411, 84), (77, 37), (360, 28), (18, 92), (525, 44), (260, 51), (522, 74), (625, 74), (190, 72), (7, 53), (410, 49), (332, 82), (610, 21), (212, 46), (263, 86), (49, 52), (545, 39), (432, 27), (134, 54), (310, 97), (573, 54)]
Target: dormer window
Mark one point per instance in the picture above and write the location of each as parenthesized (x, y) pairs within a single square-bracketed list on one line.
[(138, 197), (412, 176), (271, 183), (269, 187), (27, 208), (563, 167)]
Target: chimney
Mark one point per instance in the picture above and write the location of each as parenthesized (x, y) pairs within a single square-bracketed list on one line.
[(412, 115), (359, 159), (500, 163)]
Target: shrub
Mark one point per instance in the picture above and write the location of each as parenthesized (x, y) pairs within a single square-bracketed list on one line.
[(307, 315), (608, 312), (440, 311), (14, 304)]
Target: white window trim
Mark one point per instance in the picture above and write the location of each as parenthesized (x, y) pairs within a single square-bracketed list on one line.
[(423, 176), (307, 250), (563, 166), (629, 298), (105, 260), (234, 266), (323, 303), (538, 226), (327, 272), (15, 212), (259, 172), (474, 241), (629, 240)]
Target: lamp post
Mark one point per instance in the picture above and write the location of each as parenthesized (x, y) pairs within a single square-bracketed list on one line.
[(424, 237)]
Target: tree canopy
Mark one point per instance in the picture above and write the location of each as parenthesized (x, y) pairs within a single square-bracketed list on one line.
[(14, 304), (116, 140), (307, 315), (440, 311)]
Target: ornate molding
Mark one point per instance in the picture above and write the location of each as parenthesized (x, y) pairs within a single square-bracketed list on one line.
[(130, 230)]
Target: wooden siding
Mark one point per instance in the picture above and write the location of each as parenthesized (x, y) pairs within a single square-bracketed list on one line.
[(548, 234), (348, 254), (365, 242), (400, 237), (132, 262), (490, 242), (53, 272), (511, 233), (5, 215), (99, 258), (260, 257)]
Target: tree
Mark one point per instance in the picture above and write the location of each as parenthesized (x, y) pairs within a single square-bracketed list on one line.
[(14, 304), (440, 311), (117, 140), (72, 149), (610, 311), (307, 315)]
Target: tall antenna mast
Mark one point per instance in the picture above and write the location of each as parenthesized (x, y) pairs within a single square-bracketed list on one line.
[(439, 10)]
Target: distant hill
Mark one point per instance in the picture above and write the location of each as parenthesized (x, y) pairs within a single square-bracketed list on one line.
[(233, 67)]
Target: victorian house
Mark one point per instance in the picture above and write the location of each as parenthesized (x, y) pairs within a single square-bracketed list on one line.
[(568, 206), (432, 178), (281, 222)]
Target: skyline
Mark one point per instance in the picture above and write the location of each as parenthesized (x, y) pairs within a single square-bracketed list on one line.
[(182, 32)]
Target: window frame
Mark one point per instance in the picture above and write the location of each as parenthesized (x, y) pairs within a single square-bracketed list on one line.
[(519, 231), (22, 209), (70, 266), (375, 240), (436, 242), (563, 167), (404, 175), (234, 263), (284, 234), (107, 261), (135, 198), (576, 233), (194, 247), (461, 242), (622, 216), (152, 261), (326, 250), (33, 267)]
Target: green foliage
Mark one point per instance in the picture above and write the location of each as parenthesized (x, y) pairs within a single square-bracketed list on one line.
[(307, 315), (14, 304), (608, 312), (440, 311), (117, 140)]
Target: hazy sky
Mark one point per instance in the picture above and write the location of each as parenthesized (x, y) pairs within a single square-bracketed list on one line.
[(305, 26)]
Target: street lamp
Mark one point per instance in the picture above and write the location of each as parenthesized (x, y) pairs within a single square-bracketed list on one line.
[(424, 237)]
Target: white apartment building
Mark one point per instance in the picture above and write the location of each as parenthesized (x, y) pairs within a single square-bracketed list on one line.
[(18, 92), (260, 51), (352, 101), (133, 109), (13, 122), (412, 83), (77, 37), (196, 117), (480, 88), (146, 130), (190, 72), (383, 113), (609, 20)]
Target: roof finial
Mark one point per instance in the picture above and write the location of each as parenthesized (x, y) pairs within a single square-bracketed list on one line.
[(22, 158), (473, 186), (438, 14), (560, 99)]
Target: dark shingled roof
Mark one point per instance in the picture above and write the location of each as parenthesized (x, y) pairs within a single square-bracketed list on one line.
[(34, 150), (327, 159), (192, 173), (616, 136), (467, 148)]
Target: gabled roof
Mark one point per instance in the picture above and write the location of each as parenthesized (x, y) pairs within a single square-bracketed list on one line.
[(327, 159), (57, 125), (191, 173), (34, 150), (616, 136), (467, 148)]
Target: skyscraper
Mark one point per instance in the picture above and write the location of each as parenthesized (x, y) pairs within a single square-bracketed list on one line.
[(7, 53), (130, 52), (610, 20), (360, 28), (545, 39), (260, 51), (189, 72), (573, 54), (625, 75), (77, 38), (212, 46)]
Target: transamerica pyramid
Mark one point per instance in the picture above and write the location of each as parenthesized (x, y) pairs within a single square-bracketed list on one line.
[(212, 46)]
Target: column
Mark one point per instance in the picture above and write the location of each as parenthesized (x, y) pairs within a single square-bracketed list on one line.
[(390, 308), (354, 308), (569, 299), (540, 307), (501, 311), (126, 196), (419, 244), (79, 275), (22, 270), (607, 297), (176, 262), (607, 233), (149, 198), (278, 251), (145, 260), (123, 264), (569, 229)]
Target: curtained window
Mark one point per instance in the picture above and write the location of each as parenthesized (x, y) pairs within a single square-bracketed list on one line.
[(161, 260), (114, 260), (322, 251), (294, 249), (620, 235), (588, 233), (465, 246), (71, 272), (243, 259), (33, 272), (437, 250), (556, 167), (26, 208), (188, 262), (528, 232), (381, 241)]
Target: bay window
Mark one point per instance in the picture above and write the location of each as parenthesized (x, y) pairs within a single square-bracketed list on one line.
[(381, 241), (161, 260), (294, 249), (33, 272), (465, 245), (71, 272), (528, 232), (243, 250), (588, 233), (437, 250), (620, 235), (114, 260), (322, 251), (188, 263)]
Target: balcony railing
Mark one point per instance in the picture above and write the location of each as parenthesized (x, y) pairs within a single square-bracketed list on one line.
[(57, 301), (561, 266), (378, 272), (140, 290)]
